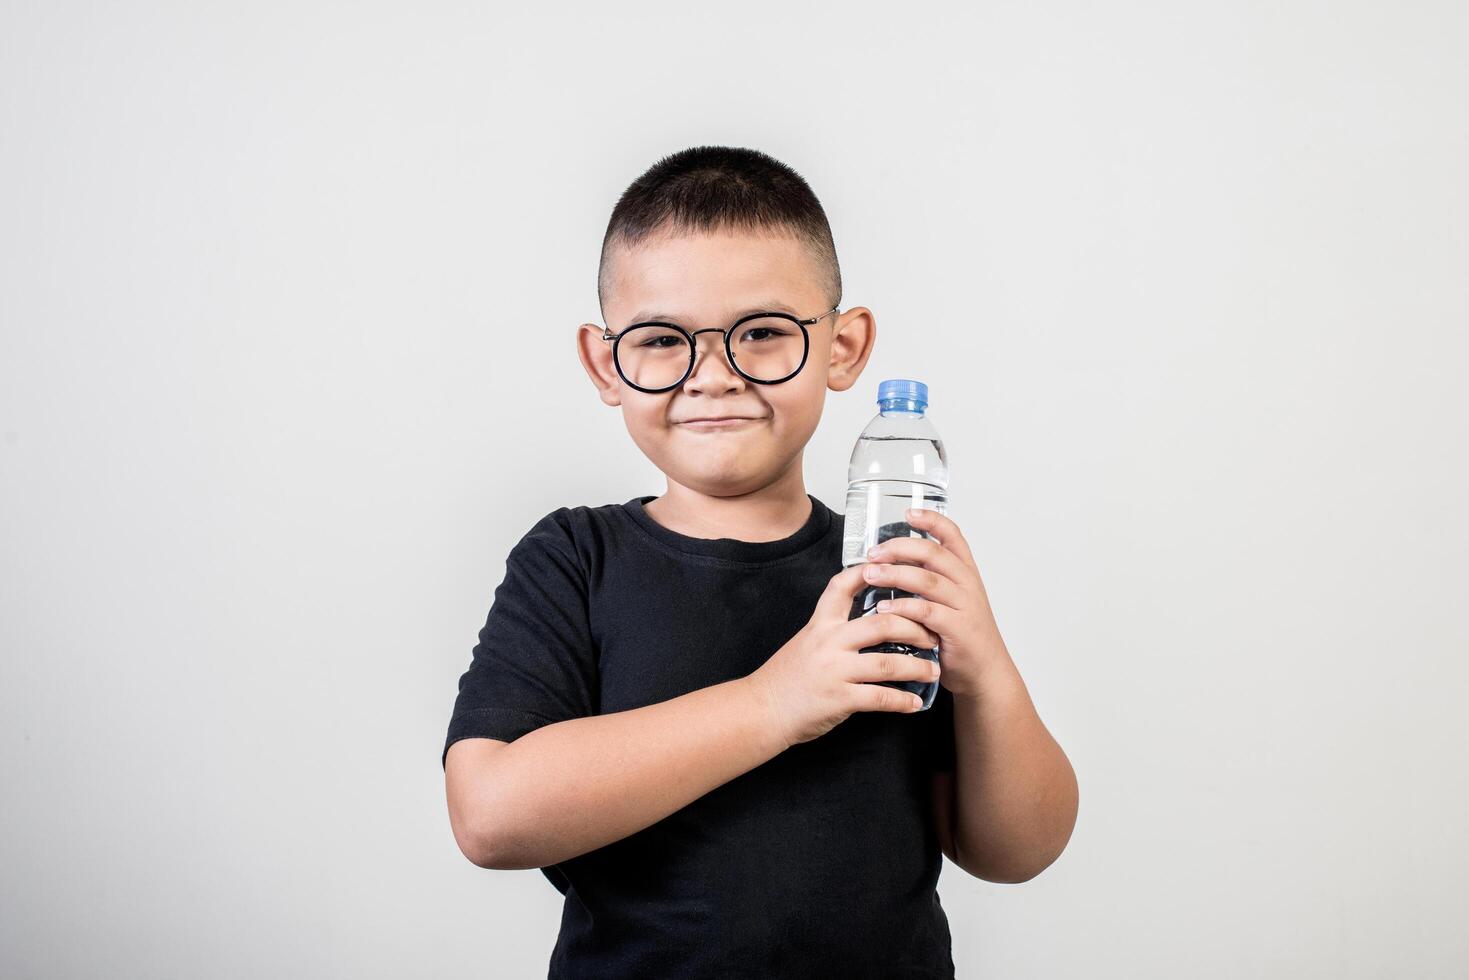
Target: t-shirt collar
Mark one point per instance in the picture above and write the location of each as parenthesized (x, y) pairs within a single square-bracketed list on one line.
[(818, 523)]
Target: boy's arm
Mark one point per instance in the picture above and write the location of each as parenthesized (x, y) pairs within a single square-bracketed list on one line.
[(568, 788), (1014, 792)]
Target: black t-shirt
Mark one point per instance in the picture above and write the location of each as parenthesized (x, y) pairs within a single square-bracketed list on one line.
[(820, 862)]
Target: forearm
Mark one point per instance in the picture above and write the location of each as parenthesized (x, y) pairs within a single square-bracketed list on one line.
[(576, 785), (1015, 792)]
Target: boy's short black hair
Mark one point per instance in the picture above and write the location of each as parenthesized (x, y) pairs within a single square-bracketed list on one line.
[(705, 188)]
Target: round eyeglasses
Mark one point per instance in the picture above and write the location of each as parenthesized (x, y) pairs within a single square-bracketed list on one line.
[(766, 348)]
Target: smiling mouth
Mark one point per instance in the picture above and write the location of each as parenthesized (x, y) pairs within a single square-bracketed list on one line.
[(729, 423)]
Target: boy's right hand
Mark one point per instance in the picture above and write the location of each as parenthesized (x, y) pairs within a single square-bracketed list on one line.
[(814, 682)]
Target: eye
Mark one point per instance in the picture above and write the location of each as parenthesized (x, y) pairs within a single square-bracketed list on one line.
[(766, 333)]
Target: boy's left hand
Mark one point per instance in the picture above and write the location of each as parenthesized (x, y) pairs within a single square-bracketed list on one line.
[(953, 601)]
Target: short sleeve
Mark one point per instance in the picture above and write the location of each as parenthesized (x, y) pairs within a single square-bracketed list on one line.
[(941, 730), (535, 663)]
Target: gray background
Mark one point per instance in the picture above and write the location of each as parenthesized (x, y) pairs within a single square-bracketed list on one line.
[(1188, 283)]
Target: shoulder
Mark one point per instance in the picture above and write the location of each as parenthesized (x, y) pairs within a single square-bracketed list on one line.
[(578, 535), (576, 523)]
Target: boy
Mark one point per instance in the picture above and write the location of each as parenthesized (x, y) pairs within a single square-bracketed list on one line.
[(666, 712)]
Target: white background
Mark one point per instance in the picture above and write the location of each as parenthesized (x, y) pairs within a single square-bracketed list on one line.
[(1188, 285)]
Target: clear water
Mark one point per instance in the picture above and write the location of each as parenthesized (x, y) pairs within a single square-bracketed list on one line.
[(898, 463)]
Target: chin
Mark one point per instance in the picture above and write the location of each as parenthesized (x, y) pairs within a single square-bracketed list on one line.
[(716, 481)]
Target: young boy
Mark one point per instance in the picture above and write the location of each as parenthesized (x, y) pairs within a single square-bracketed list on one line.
[(666, 712)]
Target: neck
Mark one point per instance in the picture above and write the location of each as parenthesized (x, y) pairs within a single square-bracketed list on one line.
[(770, 513)]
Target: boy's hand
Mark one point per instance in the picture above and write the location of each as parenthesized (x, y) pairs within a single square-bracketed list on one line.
[(953, 601), (818, 678)]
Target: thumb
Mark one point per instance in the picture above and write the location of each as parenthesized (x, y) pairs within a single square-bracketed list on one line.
[(836, 600)]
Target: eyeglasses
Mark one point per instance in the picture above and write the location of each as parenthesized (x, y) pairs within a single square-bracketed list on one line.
[(654, 356)]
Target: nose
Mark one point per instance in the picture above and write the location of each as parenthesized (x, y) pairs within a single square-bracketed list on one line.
[(723, 374)]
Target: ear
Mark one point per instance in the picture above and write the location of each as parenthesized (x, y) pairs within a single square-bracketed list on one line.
[(596, 358), (852, 339)]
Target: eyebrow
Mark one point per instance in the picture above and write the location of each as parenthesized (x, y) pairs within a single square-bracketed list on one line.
[(772, 307)]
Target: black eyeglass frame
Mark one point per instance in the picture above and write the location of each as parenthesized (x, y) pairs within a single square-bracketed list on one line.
[(728, 332)]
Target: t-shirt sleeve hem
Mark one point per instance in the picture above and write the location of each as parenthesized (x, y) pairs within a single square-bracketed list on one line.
[(505, 724)]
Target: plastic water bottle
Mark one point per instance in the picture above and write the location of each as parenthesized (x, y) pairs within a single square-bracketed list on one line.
[(897, 464)]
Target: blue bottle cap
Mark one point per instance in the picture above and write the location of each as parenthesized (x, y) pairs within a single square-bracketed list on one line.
[(901, 389)]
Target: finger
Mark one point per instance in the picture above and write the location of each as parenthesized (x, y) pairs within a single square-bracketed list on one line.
[(925, 552), (868, 667), (836, 599), (875, 628), (921, 581), (875, 697), (943, 527), (937, 618)]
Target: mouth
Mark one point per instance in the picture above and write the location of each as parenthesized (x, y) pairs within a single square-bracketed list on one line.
[(714, 424)]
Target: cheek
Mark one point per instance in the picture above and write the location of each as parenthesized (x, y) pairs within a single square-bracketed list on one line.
[(646, 423), (649, 436), (642, 409), (797, 407)]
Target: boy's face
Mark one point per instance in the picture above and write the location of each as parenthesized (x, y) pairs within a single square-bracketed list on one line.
[(700, 280)]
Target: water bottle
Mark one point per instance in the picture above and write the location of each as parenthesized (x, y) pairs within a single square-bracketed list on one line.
[(897, 464)]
